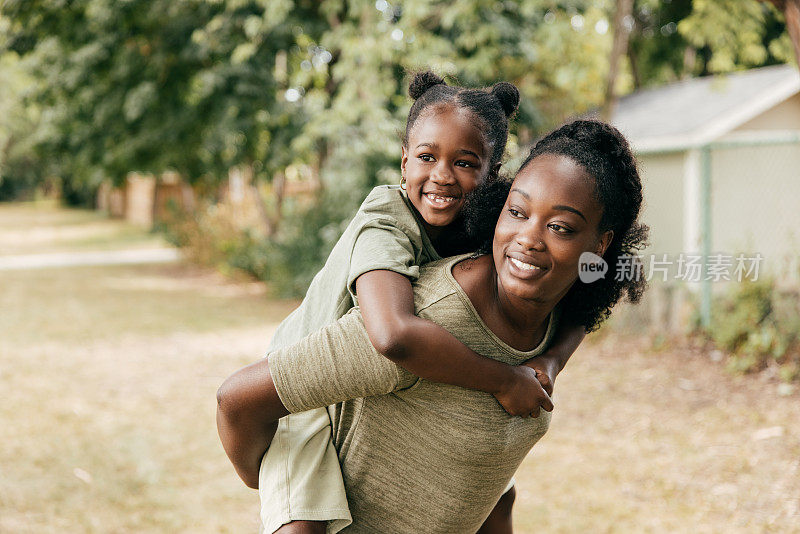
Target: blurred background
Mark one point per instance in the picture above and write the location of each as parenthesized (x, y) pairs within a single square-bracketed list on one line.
[(174, 172)]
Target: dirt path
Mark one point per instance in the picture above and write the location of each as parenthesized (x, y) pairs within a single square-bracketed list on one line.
[(74, 259)]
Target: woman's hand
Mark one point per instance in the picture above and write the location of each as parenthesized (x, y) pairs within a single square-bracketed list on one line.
[(523, 394)]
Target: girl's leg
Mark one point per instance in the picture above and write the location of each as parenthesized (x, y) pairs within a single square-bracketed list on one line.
[(499, 521), (303, 527), (300, 482)]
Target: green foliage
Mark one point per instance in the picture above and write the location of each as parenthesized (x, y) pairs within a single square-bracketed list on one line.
[(19, 172), (657, 51), (200, 86), (736, 34), (758, 325), (287, 262), (290, 261)]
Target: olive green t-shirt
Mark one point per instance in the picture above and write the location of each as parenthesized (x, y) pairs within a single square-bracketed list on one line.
[(417, 456), (385, 234)]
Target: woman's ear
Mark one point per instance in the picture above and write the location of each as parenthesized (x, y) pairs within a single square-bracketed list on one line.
[(403, 161), (605, 240)]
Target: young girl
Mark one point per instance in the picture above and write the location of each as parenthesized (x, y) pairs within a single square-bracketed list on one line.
[(454, 141)]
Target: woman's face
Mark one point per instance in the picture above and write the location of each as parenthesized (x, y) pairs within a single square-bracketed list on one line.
[(550, 218)]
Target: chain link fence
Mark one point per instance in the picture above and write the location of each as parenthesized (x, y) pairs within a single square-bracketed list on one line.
[(719, 214)]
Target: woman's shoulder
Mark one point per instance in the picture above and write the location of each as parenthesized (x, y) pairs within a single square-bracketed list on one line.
[(436, 282)]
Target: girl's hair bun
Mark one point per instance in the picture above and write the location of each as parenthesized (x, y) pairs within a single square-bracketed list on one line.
[(508, 96), (422, 82)]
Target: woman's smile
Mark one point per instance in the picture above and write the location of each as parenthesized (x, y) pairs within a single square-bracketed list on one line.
[(550, 218), (525, 268)]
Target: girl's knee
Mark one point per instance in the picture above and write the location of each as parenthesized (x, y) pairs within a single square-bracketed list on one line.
[(302, 527)]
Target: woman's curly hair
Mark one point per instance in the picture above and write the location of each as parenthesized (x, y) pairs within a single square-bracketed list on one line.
[(604, 153)]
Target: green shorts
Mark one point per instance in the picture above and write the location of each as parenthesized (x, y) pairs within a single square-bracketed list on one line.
[(300, 476)]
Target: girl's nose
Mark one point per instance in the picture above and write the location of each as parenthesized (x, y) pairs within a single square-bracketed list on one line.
[(442, 174)]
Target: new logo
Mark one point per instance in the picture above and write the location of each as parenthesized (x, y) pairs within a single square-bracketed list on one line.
[(591, 267)]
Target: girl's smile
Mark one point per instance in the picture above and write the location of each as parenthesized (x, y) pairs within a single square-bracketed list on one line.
[(446, 158)]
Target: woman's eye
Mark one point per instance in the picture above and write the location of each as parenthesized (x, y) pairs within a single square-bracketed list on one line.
[(560, 229), (514, 212)]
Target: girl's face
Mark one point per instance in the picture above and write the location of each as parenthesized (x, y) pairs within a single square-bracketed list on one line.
[(447, 157), (550, 218)]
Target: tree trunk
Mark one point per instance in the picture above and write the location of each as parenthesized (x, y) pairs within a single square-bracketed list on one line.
[(791, 12), (249, 178), (620, 45), (278, 190), (689, 62), (637, 77)]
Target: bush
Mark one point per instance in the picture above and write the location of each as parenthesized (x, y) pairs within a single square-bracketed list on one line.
[(288, 261), (18, 180), (758, 325)]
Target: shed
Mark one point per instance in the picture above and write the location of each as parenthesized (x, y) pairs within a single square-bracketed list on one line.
[(720, 162)]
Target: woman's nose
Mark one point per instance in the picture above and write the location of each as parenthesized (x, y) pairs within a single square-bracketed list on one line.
[(530, 237)]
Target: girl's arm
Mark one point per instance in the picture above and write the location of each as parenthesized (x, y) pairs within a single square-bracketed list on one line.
[(248, 409), (429, 351), (552, 361)]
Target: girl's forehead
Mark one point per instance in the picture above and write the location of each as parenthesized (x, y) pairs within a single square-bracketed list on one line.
[(451, 120)]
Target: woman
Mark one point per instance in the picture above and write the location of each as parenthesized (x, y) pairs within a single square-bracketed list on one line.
[(418, 455)]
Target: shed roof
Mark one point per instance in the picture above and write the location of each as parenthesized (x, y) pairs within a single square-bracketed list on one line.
[(697, 111)]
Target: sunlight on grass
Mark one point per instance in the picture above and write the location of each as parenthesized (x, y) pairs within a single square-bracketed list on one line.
[(109, 377), (110, 392), (43, 226)]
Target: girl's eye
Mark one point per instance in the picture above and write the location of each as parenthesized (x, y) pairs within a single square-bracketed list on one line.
[(426, 157), (466, 164)]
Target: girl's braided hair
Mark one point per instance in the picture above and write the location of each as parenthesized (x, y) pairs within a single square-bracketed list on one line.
[(492, 106)]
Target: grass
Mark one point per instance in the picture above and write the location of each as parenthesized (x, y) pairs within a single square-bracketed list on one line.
[(109, 376), (664, 442)]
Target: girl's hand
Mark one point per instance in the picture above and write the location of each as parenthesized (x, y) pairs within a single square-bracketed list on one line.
[(546, 370), (523, 393)]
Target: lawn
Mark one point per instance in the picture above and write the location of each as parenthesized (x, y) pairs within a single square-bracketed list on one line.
[(109, 376)]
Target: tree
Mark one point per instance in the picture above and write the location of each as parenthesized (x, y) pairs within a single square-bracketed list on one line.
[(622, 21), (736, 35), (791, 12)]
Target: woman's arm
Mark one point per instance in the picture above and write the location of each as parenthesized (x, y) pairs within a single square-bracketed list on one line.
[(248, 408), (427, 350), (330, 365), (548, 364)]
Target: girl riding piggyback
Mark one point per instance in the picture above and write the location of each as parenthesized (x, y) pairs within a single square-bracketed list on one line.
[(454, 141)]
